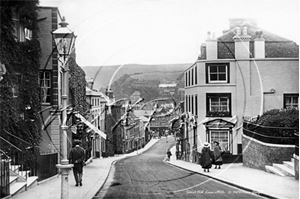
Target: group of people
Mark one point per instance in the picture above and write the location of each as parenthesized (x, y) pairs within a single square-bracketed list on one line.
[(209, 158)]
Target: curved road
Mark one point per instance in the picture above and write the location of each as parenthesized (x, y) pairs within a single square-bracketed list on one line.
[(147, 176)]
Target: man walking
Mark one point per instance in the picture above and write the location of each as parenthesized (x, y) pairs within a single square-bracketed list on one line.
[(77, 155)]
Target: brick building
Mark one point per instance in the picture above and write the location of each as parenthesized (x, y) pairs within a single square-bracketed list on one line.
[(49, 75), (50, 82)]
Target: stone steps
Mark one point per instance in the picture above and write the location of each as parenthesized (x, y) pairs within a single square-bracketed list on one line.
[(20, 180), (285, 169), (271, 169)]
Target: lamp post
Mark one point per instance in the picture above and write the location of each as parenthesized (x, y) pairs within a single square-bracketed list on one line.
[(64, 40)]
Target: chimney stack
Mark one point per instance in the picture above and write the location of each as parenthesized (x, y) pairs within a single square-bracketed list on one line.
[(211, 47), (241, 40), (90, 83), (109, 93), (259, 45)]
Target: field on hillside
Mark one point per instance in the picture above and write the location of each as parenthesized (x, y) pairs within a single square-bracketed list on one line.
[(103, 74)]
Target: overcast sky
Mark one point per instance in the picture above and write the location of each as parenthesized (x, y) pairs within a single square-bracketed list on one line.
[(163, 31)]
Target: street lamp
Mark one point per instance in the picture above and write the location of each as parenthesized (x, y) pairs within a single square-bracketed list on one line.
[(64, 40)]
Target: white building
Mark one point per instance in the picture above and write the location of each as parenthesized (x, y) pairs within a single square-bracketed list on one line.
[(243, 73)]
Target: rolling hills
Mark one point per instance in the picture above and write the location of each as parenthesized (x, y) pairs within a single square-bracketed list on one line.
[(105, 75)]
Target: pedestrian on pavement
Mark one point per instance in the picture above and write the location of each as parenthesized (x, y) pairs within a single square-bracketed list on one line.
[(177, 155), (169, 154), (206, 157), (217, 155), (77, 156)]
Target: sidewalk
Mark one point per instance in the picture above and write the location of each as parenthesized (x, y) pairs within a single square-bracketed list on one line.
[(94, 176), (253, 180)]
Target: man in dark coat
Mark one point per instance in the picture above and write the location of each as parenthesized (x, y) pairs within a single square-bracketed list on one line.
[(77, 155), (206, 157)]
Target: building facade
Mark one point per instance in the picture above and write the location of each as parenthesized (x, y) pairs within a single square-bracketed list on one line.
[(49, 75), (243, 73), (97, 118)]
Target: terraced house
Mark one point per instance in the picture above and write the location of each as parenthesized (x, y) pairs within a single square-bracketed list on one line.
[(242, 73)]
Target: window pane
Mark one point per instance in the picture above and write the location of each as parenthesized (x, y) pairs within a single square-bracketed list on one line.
[(213, 69), (295, 100), (47, 83), (218, 73), (291, 100), (222, 68), (47, 75), (213, 77), (222, 138), (222, 77)]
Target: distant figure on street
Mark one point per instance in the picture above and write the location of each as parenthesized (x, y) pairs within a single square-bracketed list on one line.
[(217, 155), (77, 155), (166, 134), (177, 155), (169, 154), (206, 157)]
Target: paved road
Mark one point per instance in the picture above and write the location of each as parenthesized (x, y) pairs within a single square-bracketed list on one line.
[(147, 176)]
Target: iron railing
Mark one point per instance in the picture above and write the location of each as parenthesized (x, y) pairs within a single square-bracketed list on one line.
[(4, 175), (17, 158), (272, 135), (46, 165)]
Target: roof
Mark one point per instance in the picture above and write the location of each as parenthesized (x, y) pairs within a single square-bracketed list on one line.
[(251, 30), (167, 85), (140, 113), (89, 91), (143, 118), (275, 45)]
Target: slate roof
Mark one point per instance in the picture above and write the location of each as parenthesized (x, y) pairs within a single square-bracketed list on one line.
[(275, 46)]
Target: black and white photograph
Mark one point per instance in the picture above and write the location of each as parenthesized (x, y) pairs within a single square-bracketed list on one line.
[(149, 99)]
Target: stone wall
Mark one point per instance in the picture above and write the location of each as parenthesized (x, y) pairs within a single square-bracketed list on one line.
[(257, 154), (296, 166)]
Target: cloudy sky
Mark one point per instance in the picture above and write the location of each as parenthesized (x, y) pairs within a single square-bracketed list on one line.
[(163, 31)]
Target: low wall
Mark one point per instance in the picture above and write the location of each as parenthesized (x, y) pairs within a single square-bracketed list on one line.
[(257, 154), (296, 166)]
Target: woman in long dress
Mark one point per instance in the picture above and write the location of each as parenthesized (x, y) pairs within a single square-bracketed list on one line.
[(206, 157), (217, 155)]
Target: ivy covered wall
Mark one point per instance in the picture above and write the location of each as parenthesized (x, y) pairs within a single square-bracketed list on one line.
[(77, 89), (19, 89)]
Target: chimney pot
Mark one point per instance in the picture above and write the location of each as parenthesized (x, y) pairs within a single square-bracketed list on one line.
[(208, 35), (238, 31), (213, 35), (245, 30), (259, 33)]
